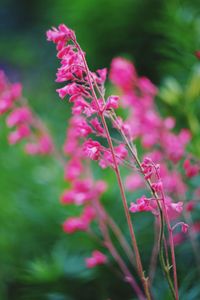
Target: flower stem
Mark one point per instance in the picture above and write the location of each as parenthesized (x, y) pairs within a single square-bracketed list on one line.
[(117, 172)]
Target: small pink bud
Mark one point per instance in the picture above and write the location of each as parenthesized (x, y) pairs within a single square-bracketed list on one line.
[(184, 227)]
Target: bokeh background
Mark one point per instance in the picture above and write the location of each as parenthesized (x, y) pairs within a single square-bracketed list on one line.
[(37, 260)]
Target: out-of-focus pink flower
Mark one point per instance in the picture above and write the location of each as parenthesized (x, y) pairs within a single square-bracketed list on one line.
[(169, 123), (16, 91), (134, 182), (74, 224), (100, 187), (184, 227), (174, 209), (146, 86), (178, 238), (178, 207), (175, 144), (97, 258), (45, 144), (81, 192), (31, 148), (123, 73), (5, 104), (190, 170), (73, 169), (3, 81), (21, 132), (89, 214), (195, 228), (189, 206), (19, 115)]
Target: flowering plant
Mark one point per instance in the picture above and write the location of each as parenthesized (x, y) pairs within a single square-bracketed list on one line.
[(97, 132)]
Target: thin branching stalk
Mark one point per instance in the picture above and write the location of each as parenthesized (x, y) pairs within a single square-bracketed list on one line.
[(108, 243), (117, 172)]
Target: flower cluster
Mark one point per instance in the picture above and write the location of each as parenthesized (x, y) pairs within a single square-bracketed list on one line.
[(157, 137), (20, 117), (86, 108)]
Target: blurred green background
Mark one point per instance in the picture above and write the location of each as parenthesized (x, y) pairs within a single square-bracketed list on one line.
[(38, 261)]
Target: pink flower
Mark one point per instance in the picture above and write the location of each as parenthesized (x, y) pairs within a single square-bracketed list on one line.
[(16, 91), (142, 204), (89, 214), (169, 123), (19, 115), (123, 73), (97, 258), (190, 170), (92, 149), (73, 169), (70, 89), (178, 207), (146, 86), (3, 81), (157, 186), (175, 144), (148, 167), (5, 104), (63, 33), (189, 206), (134, 182), (45, 144), (112, 102), (178, 238), (21, 132), (100, 187), (81, 127), (102, 75), (79, 105), (74, 224), (31, 148), (97, 126), (184, 227), (81, 192), (107, 158), (121, 151)]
